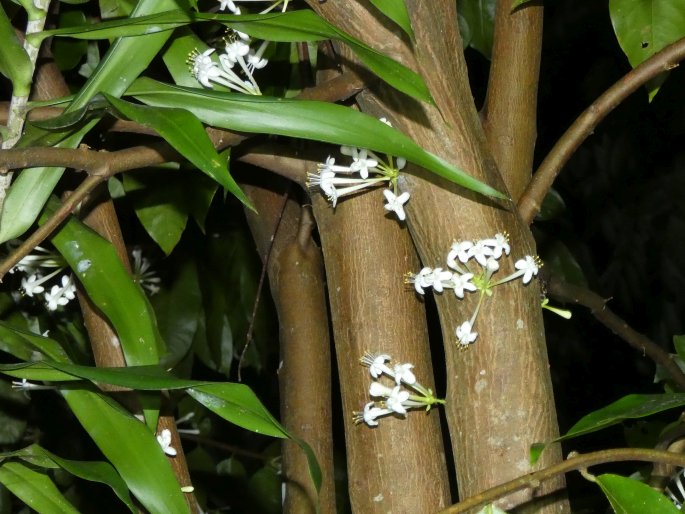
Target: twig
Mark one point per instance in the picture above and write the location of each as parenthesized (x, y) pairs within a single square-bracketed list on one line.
[(262, 276), (571, 293), (102, 164), (577, 462), (584, 125)]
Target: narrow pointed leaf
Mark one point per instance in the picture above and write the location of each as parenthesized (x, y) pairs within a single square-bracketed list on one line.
[(111, 288), (131, 448), (34, 488), (186, 134), (28, 346), (396, 10), (628, 496), (295, 26), (94, 471), (14, 62), (318, 121), (123, 62)]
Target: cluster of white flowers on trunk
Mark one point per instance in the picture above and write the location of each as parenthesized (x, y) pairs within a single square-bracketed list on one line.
[(471, 266), (337, 181), (404, 394), (45, 277)]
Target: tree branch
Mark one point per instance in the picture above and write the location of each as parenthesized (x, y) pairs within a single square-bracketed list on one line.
[(510, 111), (566, 292), (577, 462), (584, 125)]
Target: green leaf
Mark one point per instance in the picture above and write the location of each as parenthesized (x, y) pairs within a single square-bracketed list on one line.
[(14, 62), (479, 15), (628, 496), (179, 315), (632, 406), (158, 204), (68, 54), (95, 471), (109, 285), (295, 26), (644, 27), (396, 10), (34, 488), (29, 192), (131, 448), (318, 121), (679, 344), (184, 132), (28, 346), (518, 3), (123, 62), (563, 263)]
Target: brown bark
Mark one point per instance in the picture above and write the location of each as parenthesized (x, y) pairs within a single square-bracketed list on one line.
[(499, 391), (49, 83), (282, 231), (510, 111), (399, 466)]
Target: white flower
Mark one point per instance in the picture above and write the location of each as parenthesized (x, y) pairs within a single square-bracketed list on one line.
[(228, 4), (480, 251), (423, 279), (376, 364), (464, 334), (164, 440), (441, 279), (32, 285), (461, 283), (360, 162), (528, 266), (395, 400), (403, 373), (68, 287), (459, 250), (371, 412), (499, 244), (235, 51), (396, 203), (491, 264), (143, 273), (55, 298), (204, 68)]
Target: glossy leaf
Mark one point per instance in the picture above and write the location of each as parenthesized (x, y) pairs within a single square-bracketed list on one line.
[(34, 488), (158, 204), (318, 121), (131, 448), (184, 132), (109, 285), (179, 313), (518, 3), (295, 26), (628, 496), (68, 54), (479, 15), (644, 27), (563, 263), (396, 10), (14, 62), (679, 345), (632, 406), (123, 62), (94, 471), (28, 346)]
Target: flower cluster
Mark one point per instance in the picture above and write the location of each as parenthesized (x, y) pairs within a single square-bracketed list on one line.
[(336, 181), (40, 268), (472, 265), (396, 399), (231, 6), (143, 273)]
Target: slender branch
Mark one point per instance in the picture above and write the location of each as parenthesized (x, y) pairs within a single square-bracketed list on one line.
[(571, 293), (577, 462), (585, 124)]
